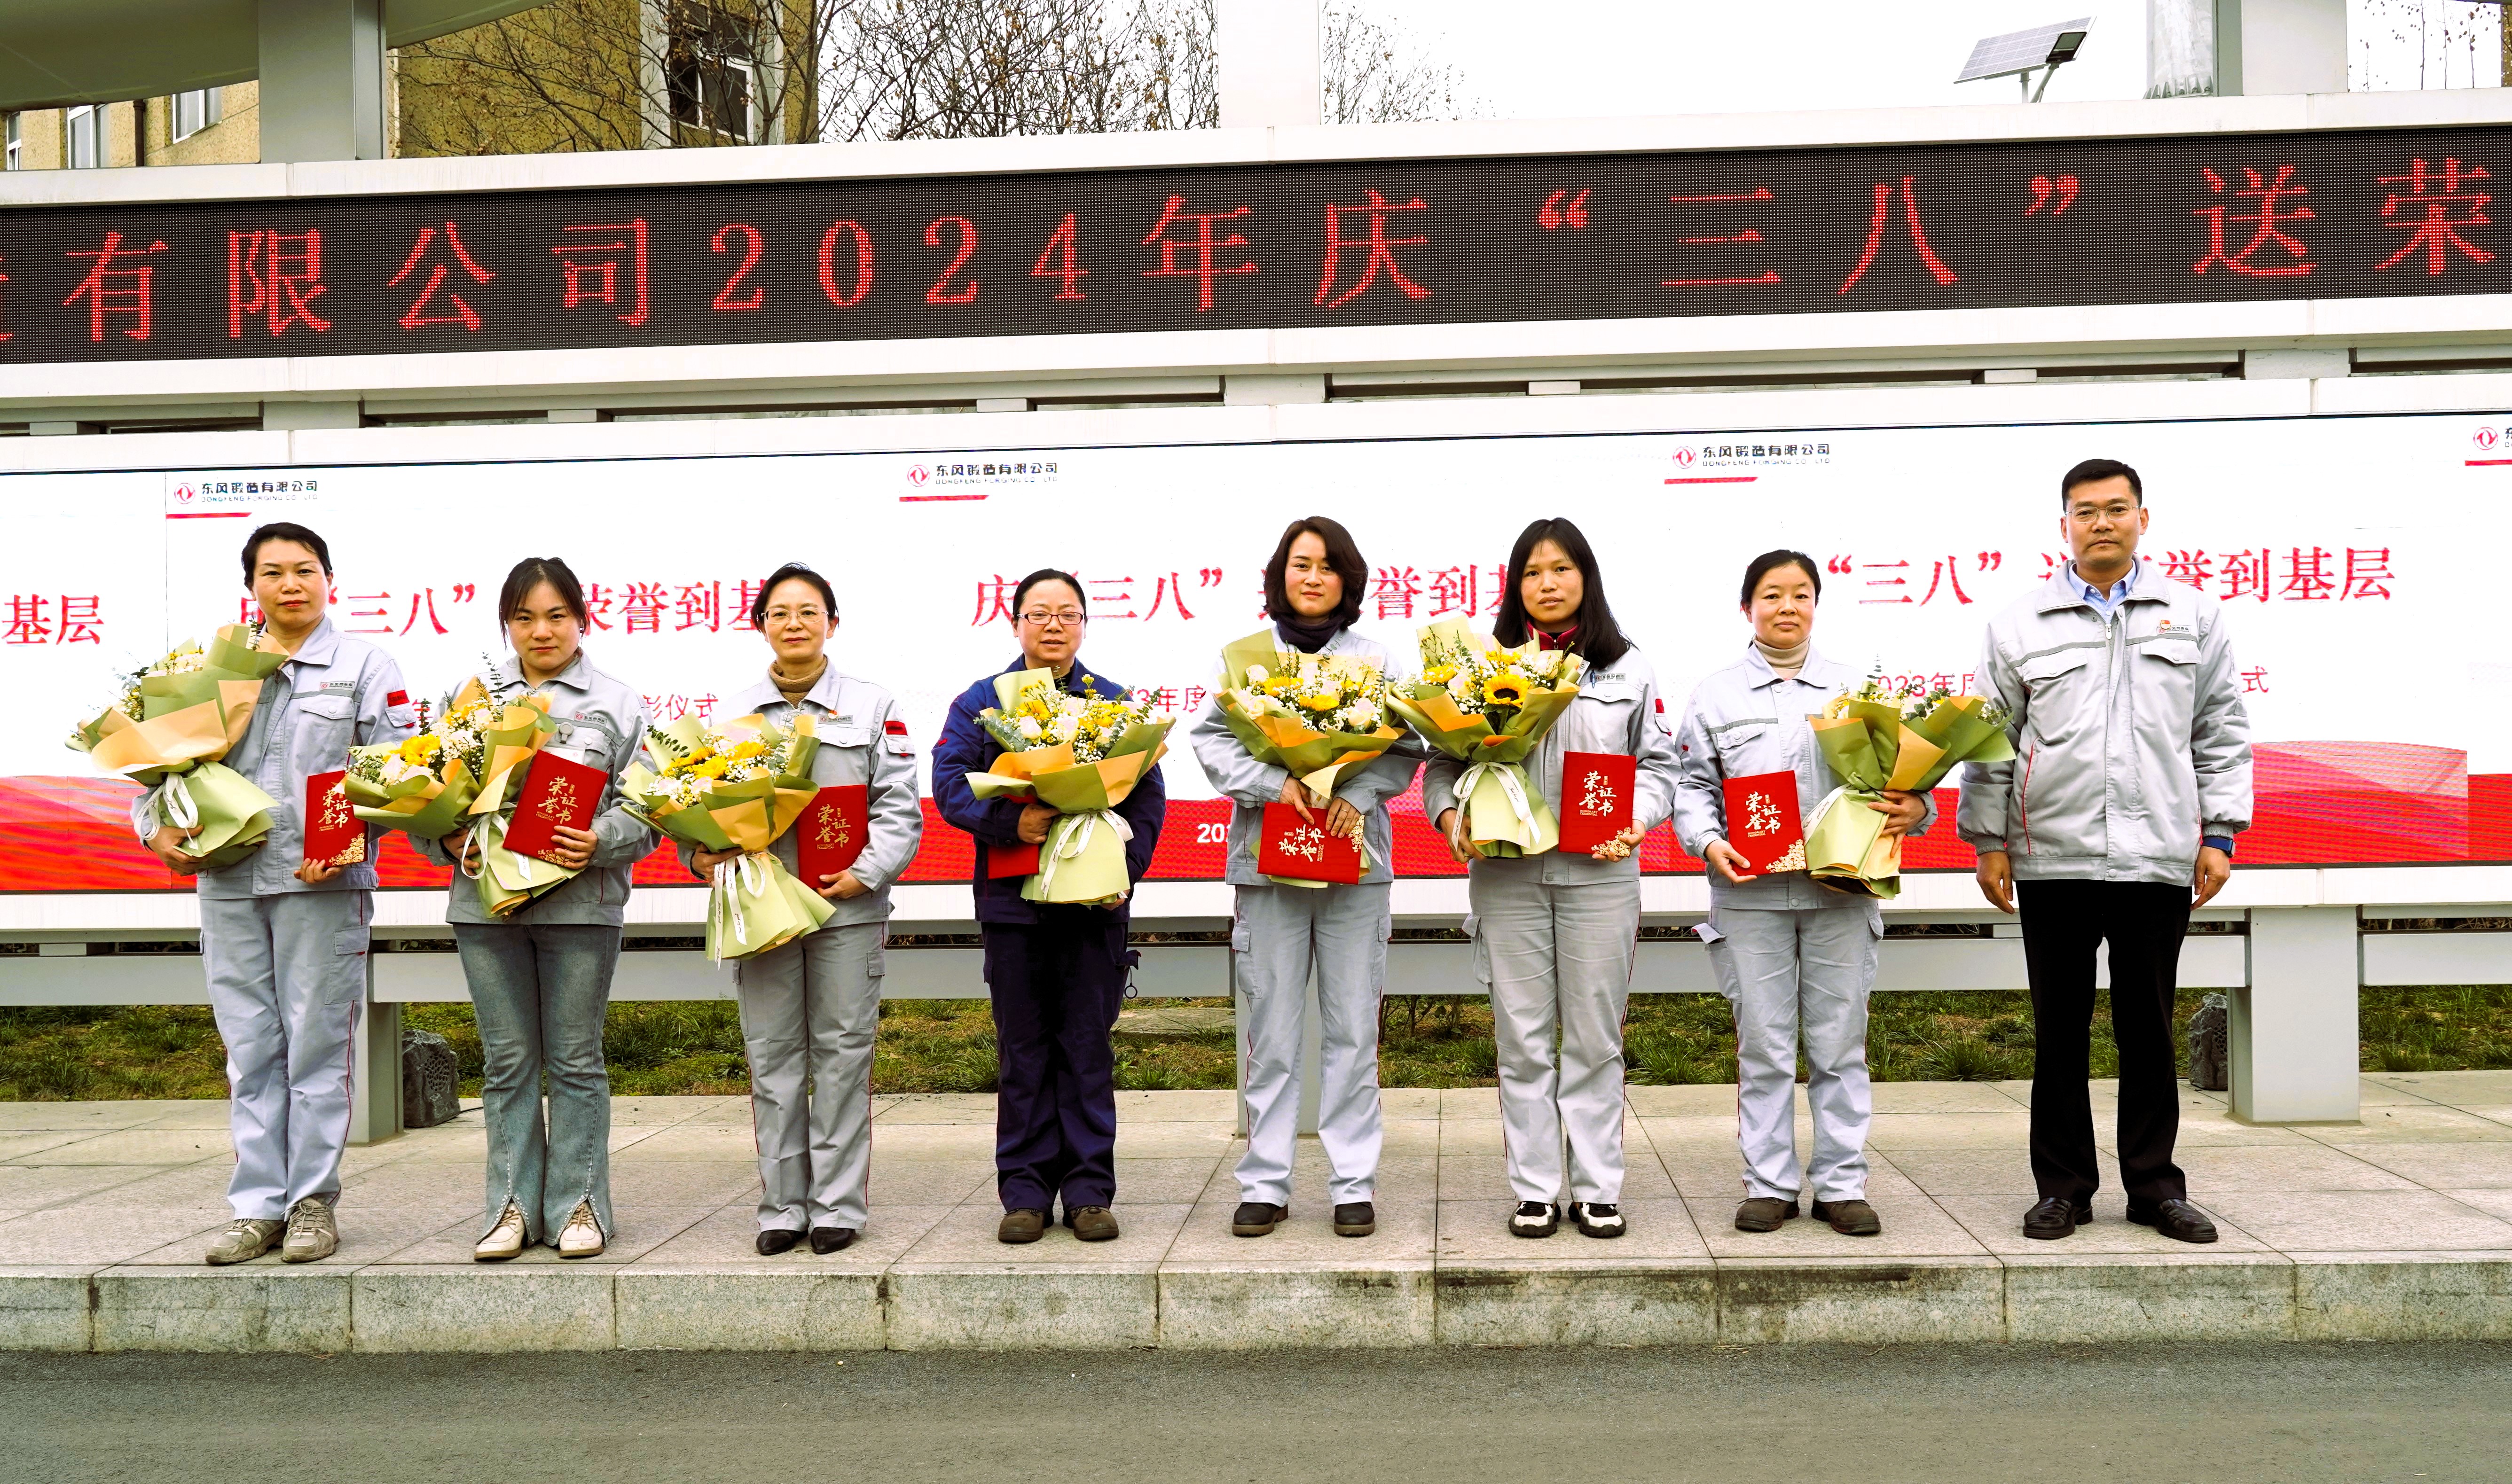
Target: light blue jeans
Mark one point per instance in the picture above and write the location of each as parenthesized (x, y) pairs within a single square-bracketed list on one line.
[(540, 993)]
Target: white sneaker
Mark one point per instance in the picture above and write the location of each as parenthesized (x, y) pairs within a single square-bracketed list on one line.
[(244, 1239), (1535, 1218), (582, 1236), (504, 1240), (312, 1234), (1598, 1218)]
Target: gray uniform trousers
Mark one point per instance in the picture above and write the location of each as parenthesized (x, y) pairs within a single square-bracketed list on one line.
[(288, 980), (1558, 953), (1805, 972), (811, 1009), (1279, 934)]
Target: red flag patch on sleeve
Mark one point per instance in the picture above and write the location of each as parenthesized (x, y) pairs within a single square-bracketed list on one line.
[(895, 727), (398, 699)]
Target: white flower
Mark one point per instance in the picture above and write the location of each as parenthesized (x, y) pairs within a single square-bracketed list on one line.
[(1257, 674), (1030, 728)]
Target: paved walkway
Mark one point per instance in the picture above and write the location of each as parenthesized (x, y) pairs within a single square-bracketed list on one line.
[(2398, 1226)]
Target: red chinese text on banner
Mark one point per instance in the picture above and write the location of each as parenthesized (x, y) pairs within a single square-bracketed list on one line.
[(1595, 798), (1763, 825)]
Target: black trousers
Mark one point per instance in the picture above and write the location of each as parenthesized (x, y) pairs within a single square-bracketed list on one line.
[(2143, 922), (1057, 984)]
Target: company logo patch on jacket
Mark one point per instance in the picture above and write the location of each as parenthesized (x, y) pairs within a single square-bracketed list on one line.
[(397, 698), (895, 731)]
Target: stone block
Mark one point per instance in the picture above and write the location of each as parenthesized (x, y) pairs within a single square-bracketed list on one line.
[(1258, 1306), (255, 1307), (1875, 1301), (721, 1307), (2403, 1296), (481, 1310), (1020, 1307), (2089, 1299), (45, 1308), (1628, 1303)]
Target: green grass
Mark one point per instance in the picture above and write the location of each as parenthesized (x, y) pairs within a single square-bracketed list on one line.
[(948, 1045)]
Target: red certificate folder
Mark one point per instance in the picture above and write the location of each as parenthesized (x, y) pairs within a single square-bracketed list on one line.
[(1010, 860), (1763, 823), (832, 831), (556, 792), (1289, 847), (1596, 797), (333, 837)]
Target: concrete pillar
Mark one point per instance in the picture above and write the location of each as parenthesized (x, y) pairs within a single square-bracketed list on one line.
[(1270, 68), (374, 1069), (2256, 48), (321, 80), (2293, 1035)]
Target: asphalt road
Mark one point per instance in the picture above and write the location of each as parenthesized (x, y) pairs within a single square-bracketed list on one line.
[(2291, 1414)]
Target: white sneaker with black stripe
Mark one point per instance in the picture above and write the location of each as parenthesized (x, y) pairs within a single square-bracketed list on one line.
[(1597, 1218), (1535, 1218)]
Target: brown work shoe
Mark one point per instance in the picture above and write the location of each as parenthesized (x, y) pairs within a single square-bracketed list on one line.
[(1849, 1217), (1764, 1213), (1093, 1224), (1021, 1225)]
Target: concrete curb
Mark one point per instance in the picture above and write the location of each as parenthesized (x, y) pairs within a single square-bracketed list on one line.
[(771, 1306)]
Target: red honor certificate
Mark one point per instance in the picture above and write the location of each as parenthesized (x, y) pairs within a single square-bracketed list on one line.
[(1010, 860), (556, 792), (333, 837), (1596, 797), (1763, 823), (1291, 847), (831, 832)]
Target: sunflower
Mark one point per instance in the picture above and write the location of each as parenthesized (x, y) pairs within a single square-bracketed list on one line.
[(417, 750), (753, 748), (1321, 700), (1282, 686), (1440, 675), (1504, 691)]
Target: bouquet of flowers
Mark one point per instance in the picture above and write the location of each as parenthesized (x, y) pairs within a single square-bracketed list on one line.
[(1878, 737), (1080, 756), (172, 721), (425, 785), (1488, 707), (736, 787), (1311, 715)]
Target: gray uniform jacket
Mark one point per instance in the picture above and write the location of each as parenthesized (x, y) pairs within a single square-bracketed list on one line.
[(2131, 740), (863, 740), (1252, 785), (601, 723), (1742, 721), (335, 693), (1618, 711)]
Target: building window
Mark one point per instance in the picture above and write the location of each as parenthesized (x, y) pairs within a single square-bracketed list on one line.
[(712, 70), (84, 127), (17, 145), (195, 112)]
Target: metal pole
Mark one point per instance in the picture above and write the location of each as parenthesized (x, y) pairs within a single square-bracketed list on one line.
[(321, 80)]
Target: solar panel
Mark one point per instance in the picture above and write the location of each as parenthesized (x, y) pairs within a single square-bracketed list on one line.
[(2017, 50)]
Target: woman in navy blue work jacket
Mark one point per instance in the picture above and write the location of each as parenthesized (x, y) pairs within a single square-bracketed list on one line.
[(1057, 972)]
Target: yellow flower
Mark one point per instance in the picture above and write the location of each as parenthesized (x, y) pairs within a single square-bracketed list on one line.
[(712, 767), (417, 750), (1282, 684), (751, 749), (1504, 691), (1322, 700), (1440, 675)]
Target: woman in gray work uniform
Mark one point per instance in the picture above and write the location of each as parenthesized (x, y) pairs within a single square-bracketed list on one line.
[(285, 941), (541, 975), (1555, 933), (1795, 957), (809, 1010)]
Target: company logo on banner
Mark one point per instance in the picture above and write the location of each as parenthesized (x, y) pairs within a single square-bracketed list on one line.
[(236, 495)]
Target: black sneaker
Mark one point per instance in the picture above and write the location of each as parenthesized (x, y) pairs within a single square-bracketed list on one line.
[(1535, 1218), (1597, 1218), (1355, 1218), (1254, 1218)]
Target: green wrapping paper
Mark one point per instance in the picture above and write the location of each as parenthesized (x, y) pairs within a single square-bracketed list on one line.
[(234, 814), (506, 879), (1083, 860), (418, 806), (757, 906), (1506, 814), (1870, 748)]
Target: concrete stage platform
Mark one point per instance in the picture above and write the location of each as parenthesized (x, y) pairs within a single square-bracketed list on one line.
[(2396, 1226)]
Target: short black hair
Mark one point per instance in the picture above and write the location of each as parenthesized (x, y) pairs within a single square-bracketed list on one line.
[(2094, 471), (284, 530), (1343, 554), (792, 572), (1020, 594), (1600, 641), (529, 573), (1770, 562)]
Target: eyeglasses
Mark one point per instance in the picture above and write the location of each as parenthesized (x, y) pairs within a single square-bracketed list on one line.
[(1061, 618), (786, 616)]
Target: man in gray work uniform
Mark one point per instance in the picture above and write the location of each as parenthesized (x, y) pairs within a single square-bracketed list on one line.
[(2131, 776), (284, 942)]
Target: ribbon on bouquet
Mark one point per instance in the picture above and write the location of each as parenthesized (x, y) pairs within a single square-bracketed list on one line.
[(1509, 776), (1074, 837), (743, 873), (174, 804)]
